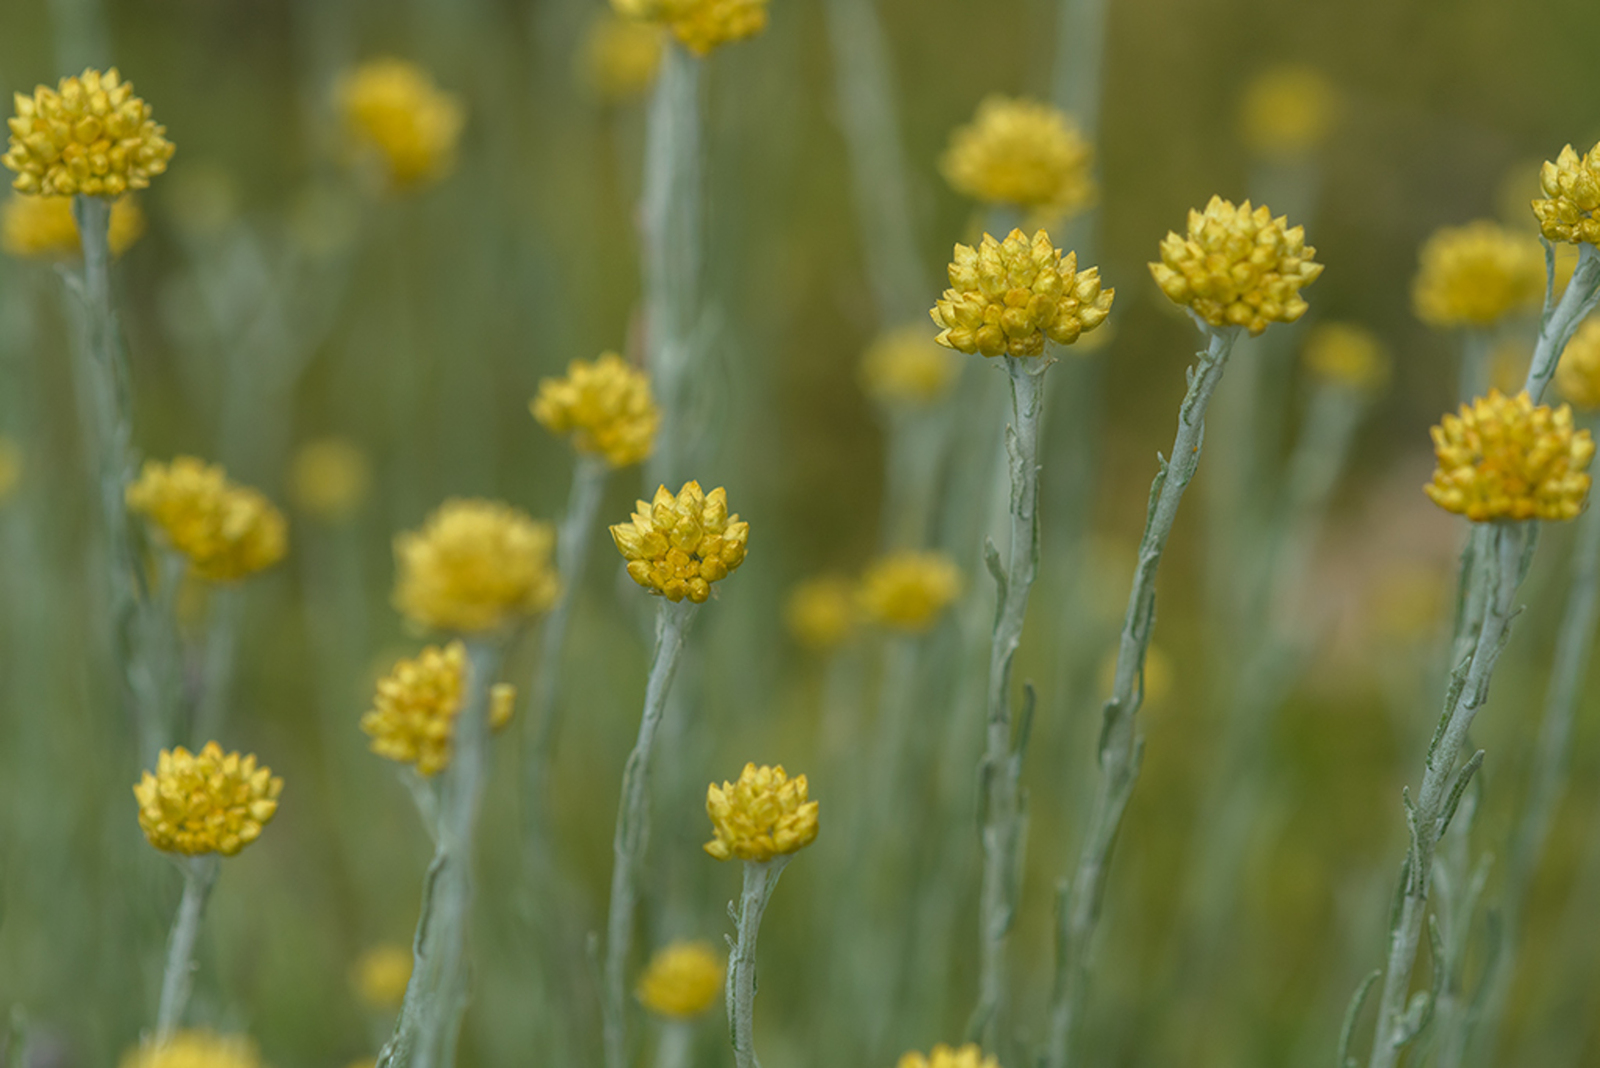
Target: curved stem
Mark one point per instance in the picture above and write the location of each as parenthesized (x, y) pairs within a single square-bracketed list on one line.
[(199, 875), (759, 882), (1557, 324)]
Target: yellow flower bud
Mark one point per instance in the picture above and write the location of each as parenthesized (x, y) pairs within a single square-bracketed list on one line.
[(678, 545), (1343, 354), (329, 479), (413, 715), (225, 530), (394, 113), (1021, 152), (908, 367), (968, 1056), (765, 814), (1006, 298), (620, 57), (1474, 275), (1504, 458), (821, 612), (1287, 111), (475, 565), (682, 980), (380, 976), (605, 405), (206, 802), (90, 135), (1577, 375), (700, 25), (43, 227), (1571, 187), (196, 1049), (908, 591)]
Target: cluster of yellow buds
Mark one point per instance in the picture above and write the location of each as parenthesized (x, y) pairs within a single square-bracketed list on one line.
[(700, 25), (682, 980), (908, 591), (1578, 373), (1237, 266), (606, 406), (206, 802), (475, 565), (821, 612), (226, 531), (44, 226), (89, 136), (679, 544), (1347, 355), (1571, 187), (10, 467), (620, 56), (413, 714), (329, 478), (763, 815), (196, 1049), (1287, 111), (1021, 152), (381, 974), (1006, 298), (1503, 458), (907, 368), (942, 1056), (395, 113), (1476, 274)]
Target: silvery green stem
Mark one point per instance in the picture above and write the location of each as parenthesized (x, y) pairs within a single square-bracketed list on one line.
[(633, 827), (1428, 817), (1559, 321), (1001, 767), (1475, 347), (1120, 745), (79, 27), (676, 1045), (1080, 47), (759, 882), (199, 875)]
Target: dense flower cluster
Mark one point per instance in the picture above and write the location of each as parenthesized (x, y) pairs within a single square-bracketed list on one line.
[(381, 974), (1476, 274), (1571, 187), (1007, 297), (394, 112), (1578, 373), (225, 530), (196, 1049), (942, 1056), (474, 566), (908, 591), (682, 980), (906, 367), (678, 545), (1237, 266), (701, 25), (206, 802), (606, 406), (414, 710), (621, 56), (1287, 111), (1505, 458), (1021, 152), (763, 815), (821, 612), (1344, 354), (90, 135), (330, 478), (44, 226)]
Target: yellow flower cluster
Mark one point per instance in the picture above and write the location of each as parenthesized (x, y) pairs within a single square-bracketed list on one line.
[(1287, 111), (701, 25), (1022, 152), (763, 815), (606, 406), (90, 135), (621, 57), (821, 612), (44, 226), (968, 1056), (225, 530), (394, 112), (414, 710), (196, 1049), (206, 802), (1577, 375), (330, 478), (906, 367), (1571, 187), (1504, 458), (474, 566), (1474, 275), (678, 545), (1237, 266), (1006, 298), (682, 980), (10, 467), (1344, 354), (381, 975), (907, 591)]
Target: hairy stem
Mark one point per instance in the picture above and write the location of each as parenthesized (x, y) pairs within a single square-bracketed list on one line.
[(759, 882), (1561, 318), (199, 875)]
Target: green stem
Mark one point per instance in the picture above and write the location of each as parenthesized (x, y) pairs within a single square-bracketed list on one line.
[(199, 875), (759, 882), (1557, 324)]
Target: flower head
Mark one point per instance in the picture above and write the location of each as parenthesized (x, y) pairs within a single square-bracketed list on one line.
[(763, 815), (1571, 187), (196, 1049), (206, 802), (226, 531), (413, 714), (1474, 275), (330, 478), (968, 1056), (381, 974), (1577, 375), (701, 25), (44, 226), (395, 113), (1237, 266), (10, 467), (1343, 354), (1504, 458), (1287, 111), (678, 545), (620, 56), (908, 591), (821, 612), (90, 135), (474, 566), (1007, 297), (605, 405), (682, 980), (906, 367), (1022, 152)]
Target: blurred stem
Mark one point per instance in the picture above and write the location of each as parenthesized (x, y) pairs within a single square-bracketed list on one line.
[(1080, 52), (676, 1048), (1510, 548), (1120, 745), (633, 826), (1474, 364), (917, 442), (199, 875), (80, 33), (759, 882), (217, 653), (1558, 322)]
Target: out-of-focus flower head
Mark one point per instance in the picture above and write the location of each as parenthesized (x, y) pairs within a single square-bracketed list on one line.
[(206, 802), (1021, 152), (394, 112), (821, 612), (475, 565), (1007, 297), (908, 368), (765, 814), (682, 980), (1476, 274), (679, 544), (413, 714), (1344, 354), (1578, 373), (605, 404), (380, 976), (942, 1056), (195, 1049), (43, 227), (620, 56), (226, 531), (700, 25), (1571, 187), (908, 591), (1503, 458), (1287, 111), (10, 467), (1237, 266), (88, 136), (330, 478)]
